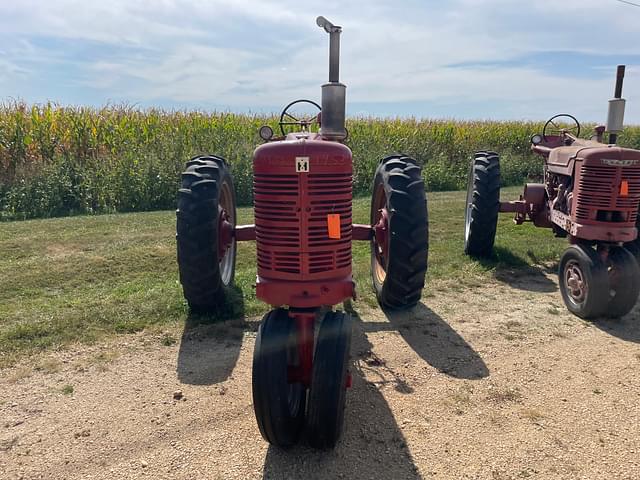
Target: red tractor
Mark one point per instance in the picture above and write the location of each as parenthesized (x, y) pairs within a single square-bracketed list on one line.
[(302, 190), (590, 195)]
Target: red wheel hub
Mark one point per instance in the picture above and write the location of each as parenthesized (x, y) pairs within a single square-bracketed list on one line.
[(381, 233), (225, 233)]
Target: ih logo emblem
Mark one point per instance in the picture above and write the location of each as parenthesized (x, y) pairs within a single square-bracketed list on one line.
[(302, 164)]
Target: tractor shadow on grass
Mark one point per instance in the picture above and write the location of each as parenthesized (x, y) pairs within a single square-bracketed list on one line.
[(434, 341), (515, 271), (372, 445), (210, 344)]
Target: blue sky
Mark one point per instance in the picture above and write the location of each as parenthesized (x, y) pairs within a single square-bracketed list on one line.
[(499, 59)]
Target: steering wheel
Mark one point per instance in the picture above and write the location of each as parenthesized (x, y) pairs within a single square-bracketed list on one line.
[(303, 122), (555, 128)]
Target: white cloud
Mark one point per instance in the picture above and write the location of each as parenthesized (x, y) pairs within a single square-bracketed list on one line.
[(252, 53)]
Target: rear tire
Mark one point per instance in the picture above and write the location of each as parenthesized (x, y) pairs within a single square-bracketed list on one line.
[(279, 406), (624, 282), (584, 282), (328, 391), (207, 191), (483, 204), (399, 254)]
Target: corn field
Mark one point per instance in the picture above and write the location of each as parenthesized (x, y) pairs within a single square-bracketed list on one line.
[(57, 160)]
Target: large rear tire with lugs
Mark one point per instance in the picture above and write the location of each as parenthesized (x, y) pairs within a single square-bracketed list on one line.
[(400, 246), (483, 204), (206, 216)]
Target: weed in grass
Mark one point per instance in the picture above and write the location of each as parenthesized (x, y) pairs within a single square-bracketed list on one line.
[(104, 357), (48, 365), (532, 414), (20, 373), (504, 395), (460, 399), (67, 389)]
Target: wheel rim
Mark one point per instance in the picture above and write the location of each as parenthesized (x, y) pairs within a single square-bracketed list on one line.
[(575, 282), (228, 215), (467, 215), (380, 239)]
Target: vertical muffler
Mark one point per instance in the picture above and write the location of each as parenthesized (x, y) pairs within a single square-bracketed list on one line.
[(615, 116), (333, 93)]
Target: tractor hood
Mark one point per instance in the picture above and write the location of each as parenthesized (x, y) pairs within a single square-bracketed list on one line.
[(562, 159)]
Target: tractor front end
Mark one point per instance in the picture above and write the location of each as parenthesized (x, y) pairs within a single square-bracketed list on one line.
[(302, 190), (603, 204), (303, 226)]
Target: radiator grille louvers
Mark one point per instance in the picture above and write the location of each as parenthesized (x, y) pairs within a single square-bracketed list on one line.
[(291, 225), (598, 189)]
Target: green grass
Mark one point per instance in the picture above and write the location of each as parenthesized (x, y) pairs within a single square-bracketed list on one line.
[(81, 278)]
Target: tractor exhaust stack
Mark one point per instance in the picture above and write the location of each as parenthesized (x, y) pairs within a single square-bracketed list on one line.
[(334, 92), (615, 117)]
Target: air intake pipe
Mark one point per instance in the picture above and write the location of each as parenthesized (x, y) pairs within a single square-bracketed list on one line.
[(334, 92)]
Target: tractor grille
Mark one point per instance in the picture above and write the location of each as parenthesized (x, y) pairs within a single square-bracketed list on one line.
[(291, 225), (329, 194), (277, 222), (598, 190)]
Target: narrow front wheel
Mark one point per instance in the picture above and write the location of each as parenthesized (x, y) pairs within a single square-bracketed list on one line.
[(329, 381), (624, 282), (278, 401), (584, 281)]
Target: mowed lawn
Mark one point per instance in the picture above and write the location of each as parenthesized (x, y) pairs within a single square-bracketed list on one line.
[(80, 278)]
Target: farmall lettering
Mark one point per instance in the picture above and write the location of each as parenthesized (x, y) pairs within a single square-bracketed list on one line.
[(302, 164), (619, 163)]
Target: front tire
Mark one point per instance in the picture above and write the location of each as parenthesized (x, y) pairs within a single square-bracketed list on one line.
[(279, 405), (483, 205), (584, 282), (400, 246), (206, 209), (624, 282), (328, 391)]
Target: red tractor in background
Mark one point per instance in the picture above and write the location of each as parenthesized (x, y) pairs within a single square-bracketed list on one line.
[(302, 189), (590, 195)]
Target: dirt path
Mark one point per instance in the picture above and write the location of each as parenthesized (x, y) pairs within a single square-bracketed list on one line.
[(497, 382)]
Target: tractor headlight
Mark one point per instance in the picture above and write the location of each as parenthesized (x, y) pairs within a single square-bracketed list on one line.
[(265, 132)]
